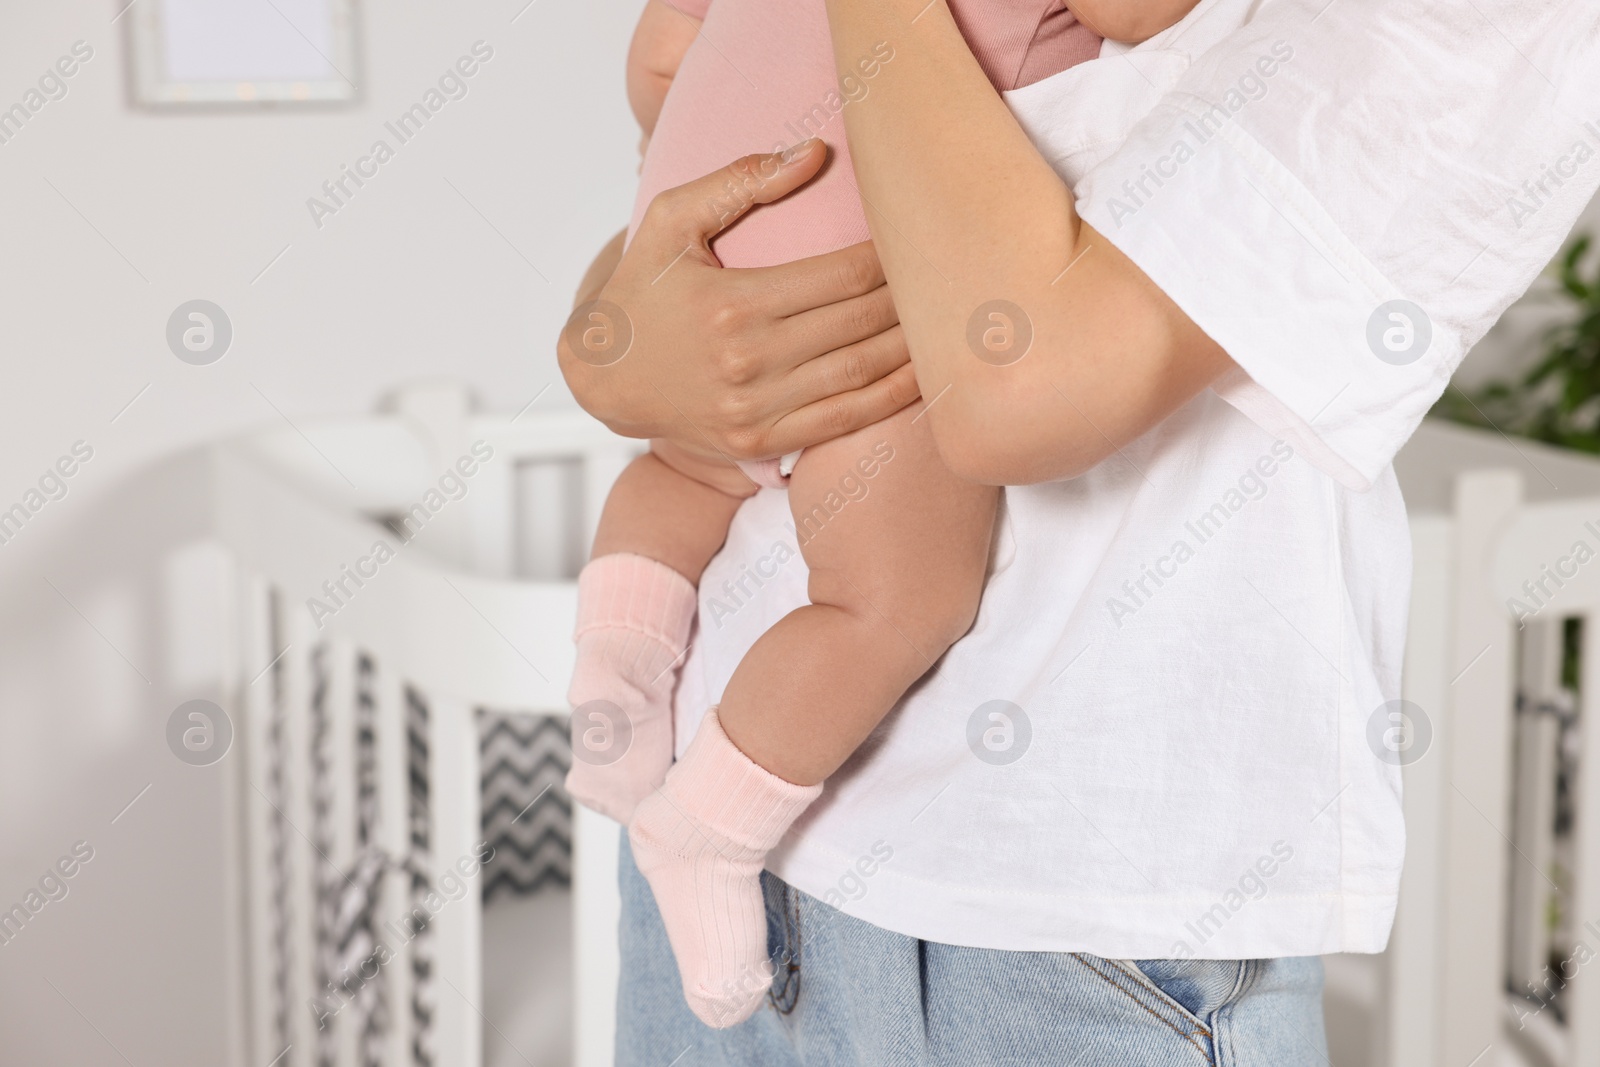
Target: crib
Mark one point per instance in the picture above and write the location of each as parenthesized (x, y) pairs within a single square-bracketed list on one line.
[(394, 597), (1499, 918), (398, 718)]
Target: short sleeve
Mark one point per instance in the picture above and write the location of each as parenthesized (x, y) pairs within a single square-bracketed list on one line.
[(1347, 195), (695, 9)]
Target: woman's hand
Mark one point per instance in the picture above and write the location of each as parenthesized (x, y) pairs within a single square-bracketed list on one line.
[(735, 363)]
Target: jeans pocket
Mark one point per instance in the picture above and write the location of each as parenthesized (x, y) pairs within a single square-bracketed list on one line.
[(1131, 981), (1200, 988)]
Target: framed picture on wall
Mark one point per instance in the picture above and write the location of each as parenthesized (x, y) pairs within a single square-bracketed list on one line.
[(241, 52)]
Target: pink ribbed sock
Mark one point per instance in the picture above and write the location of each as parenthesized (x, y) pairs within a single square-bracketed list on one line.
[(701, 841), (634, 617)]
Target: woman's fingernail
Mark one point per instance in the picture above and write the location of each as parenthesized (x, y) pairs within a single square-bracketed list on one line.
[(800, 151)]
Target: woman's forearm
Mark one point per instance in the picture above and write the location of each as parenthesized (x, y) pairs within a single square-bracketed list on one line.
[(966, 214)]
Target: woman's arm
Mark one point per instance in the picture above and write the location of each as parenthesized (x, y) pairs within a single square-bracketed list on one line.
[(734, 363), (965, 212)]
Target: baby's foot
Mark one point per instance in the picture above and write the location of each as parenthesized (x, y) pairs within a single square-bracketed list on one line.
[(634, 617), (701, 841)]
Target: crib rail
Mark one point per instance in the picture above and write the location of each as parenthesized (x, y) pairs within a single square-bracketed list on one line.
[(400, 720), (1498, 929)]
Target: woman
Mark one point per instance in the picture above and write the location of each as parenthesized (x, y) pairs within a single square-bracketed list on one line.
[(1152, 747)]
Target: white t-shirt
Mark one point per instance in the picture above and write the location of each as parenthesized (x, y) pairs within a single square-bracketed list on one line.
[(1154, 741)]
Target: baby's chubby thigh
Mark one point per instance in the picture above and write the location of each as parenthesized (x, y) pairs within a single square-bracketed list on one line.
[(891, 535)]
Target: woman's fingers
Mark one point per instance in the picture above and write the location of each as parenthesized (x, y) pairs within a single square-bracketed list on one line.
[(834, 416), (847, 368), (758, 362), (799, 286), (690, 215), (839, 325)]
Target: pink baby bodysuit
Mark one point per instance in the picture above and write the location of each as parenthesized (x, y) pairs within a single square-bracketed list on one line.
[(761, 77)]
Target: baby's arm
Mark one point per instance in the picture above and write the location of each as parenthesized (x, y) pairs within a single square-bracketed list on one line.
[(1130, 23), (659, 43)]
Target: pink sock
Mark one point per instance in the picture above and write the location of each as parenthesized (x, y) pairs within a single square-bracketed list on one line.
[(701, 841), (634, 617)]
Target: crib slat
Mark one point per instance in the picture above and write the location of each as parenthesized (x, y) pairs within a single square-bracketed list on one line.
[(422, 1002), (1532, 835), (393, 837), (1583, 995), (600, 470), (1477, 746), (596, 916), (339, 881), (491, 515), (295, 808), (372, 872), (265, 1038), (457, 926), (551, 545)]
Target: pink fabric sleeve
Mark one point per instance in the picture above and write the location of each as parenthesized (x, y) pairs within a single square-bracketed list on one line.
[(695, 9), (1017, 46), (1060, 42)]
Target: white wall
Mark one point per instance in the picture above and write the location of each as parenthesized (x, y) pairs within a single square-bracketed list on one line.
[(407, 281)]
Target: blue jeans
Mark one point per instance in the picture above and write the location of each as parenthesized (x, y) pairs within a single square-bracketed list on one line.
[(848, 993)]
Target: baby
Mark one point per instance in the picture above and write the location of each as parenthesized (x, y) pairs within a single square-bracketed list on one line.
[(897, 547)]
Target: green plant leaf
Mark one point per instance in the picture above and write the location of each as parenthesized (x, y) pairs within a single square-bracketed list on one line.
[(1558, 399), (1571, 277)]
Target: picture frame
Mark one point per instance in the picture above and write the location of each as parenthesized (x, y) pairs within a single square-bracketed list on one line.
[(242, 53)]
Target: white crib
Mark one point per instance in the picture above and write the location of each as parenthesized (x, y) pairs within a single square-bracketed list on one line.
[(1503, 813), (358, 778), (393, 709)]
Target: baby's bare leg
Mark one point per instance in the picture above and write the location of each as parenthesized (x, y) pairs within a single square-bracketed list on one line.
[(898, 548), (672, 507), (663, 520)]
